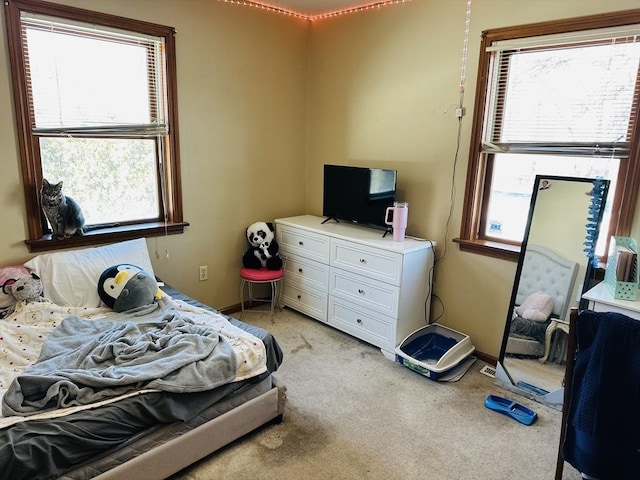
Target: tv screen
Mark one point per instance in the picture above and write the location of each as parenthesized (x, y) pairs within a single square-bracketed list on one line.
[(357, 194)]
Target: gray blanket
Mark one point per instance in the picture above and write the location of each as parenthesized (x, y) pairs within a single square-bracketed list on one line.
[(85, 361)]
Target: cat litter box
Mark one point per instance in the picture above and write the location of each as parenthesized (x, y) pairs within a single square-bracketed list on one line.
[(434, 351)]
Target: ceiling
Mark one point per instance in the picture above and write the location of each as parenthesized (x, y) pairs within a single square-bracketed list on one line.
[(312, 8)]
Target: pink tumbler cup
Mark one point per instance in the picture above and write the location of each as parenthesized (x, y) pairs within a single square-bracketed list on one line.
[(399, 222)]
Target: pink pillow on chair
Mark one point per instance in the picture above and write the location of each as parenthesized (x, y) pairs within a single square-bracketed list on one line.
[(537, 307)]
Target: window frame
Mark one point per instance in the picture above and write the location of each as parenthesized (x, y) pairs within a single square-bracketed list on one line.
[(171, 208), (480, 163)]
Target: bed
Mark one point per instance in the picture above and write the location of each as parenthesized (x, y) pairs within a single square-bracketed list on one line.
[(53, 428)]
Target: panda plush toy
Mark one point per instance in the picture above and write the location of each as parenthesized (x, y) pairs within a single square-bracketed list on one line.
[(28, 289), (263, 249)]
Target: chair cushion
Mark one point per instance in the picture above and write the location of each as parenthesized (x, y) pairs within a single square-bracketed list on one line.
[(261, 275)]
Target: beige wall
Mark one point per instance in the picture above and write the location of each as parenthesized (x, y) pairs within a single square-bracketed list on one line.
[(383, 86), (259, 93), (241, 92)]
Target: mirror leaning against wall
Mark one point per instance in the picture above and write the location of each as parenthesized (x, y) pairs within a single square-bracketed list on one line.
[(554, 269)]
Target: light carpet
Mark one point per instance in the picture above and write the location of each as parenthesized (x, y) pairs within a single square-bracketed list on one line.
[(353, 414)]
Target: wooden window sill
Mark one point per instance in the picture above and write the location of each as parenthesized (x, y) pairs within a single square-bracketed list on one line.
[(107, 235), (503, 251)]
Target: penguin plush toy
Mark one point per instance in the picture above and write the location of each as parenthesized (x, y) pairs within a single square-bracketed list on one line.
[(125, 287)]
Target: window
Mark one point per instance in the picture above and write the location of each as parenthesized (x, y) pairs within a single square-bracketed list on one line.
[(556, 98), (96, 102)]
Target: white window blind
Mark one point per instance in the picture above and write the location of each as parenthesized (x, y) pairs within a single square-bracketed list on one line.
[(573, 94), (88, 80)]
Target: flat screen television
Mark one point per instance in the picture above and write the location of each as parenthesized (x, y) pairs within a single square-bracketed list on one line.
[(358, 194)]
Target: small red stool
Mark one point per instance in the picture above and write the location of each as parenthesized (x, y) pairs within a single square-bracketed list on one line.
[(249, 276)]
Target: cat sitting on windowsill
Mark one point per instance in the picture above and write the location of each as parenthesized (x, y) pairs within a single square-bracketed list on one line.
[(63, 212)]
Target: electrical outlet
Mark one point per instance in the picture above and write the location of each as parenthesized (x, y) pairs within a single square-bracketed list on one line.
[(203, 272)]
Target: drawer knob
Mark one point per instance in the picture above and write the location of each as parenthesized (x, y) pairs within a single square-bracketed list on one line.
[(300, 270), (361, 291), (359, 320), (299, 297), (300, 243), (363, 260)]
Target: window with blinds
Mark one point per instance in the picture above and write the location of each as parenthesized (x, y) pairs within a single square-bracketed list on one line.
[(572, 94), (87, 80), (96, 109), (562, 104)]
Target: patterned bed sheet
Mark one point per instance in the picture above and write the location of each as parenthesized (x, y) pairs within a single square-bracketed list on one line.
[(29, 449), (23, 334)]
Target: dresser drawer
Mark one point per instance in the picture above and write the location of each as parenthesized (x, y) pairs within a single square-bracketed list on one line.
[(362, 323), (369, 261), (369, 293), (307, 274), (303, 243), (308, 302)]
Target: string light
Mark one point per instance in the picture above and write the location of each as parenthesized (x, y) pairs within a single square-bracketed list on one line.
[(264, 6), (465, 48), (272, 8)]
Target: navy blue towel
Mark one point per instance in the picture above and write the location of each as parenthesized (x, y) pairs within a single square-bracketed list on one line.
[(603, 430)]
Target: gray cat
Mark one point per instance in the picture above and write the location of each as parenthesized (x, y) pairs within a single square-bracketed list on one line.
[(63, 212)]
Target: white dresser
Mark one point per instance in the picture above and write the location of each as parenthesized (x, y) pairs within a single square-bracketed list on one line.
[(601, 300), (355, 280)]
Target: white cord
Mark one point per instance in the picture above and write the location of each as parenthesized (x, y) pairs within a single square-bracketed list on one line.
[(459, 115)]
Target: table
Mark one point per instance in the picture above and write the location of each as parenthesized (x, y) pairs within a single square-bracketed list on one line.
[(601, 299)]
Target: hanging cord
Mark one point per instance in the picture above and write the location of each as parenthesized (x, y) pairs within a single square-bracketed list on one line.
[(436, 297), (429, 283), (459, 115), (163, 194)]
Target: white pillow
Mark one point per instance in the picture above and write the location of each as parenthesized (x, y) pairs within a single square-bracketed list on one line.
[(71, 278)]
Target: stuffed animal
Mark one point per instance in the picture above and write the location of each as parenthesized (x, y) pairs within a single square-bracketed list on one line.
[(125, 287), (263, 249), (28, 289), (8, 276), (537, 307)]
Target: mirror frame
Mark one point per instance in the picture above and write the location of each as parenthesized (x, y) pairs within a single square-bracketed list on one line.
[(554, 398)]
